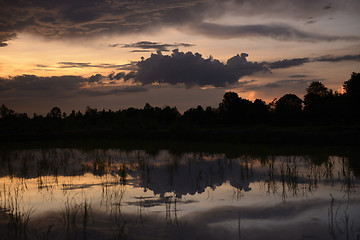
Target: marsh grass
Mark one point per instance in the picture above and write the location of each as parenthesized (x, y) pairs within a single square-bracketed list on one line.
[(70, 213), (18, 216), (74, 214), (119, 232), (45, 235)]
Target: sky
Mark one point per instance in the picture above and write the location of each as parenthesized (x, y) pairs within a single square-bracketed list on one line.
[(115, 54)]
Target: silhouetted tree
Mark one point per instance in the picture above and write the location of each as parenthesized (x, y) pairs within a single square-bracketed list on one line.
[(55, 112), (5, 112), (195, 115), (352, 86), (229, 102), (318, 88), (289, 107), (318, 100), (260, 111), (352, 96), (235, 109)]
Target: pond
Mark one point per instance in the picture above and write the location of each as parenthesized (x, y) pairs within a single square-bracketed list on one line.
[(112, 193)]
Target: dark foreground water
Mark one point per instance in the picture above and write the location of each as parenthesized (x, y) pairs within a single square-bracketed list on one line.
[(118, 194)]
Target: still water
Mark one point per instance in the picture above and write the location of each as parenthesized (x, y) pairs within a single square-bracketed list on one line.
[(116, 194)]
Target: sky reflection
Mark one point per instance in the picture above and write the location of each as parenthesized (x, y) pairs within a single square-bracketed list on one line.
[(189, 195)]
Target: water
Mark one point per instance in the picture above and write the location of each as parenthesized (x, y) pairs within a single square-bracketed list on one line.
[(117, 194)]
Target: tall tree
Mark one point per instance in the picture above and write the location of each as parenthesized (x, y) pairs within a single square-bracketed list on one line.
[(288, 107), (318, 100), (352, 95)]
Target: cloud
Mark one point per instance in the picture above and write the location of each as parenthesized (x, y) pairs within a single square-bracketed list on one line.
[(96, 79), (311, 21), (147, 46), (193, 70), (180, 68), (286, 63), (82, 19), (113, 91), (35, 83), (5, 35), (330, 58), (74, 65), (42, 66), (128, 67), (137, 51), (25, 86), (297, 76), (118, 76), (68, 19), (87, 65), (281, 84), (279, 32), (114, 45), (329, 6)]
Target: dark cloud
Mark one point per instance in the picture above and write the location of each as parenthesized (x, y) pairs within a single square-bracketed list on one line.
[(180, 68), (283, 83), (330, 58), (114, 45), (122, 75), (137, 51), (297, 76), (4, 34), (61, 86), (96, 79), (128, 67), (279, 32), (192, 69), (69, 19), (30, 87), (87, 65), (311, 21), (74, 65), (42, 66), (113, 91), (147, 46), (118, 76), (329, 6), (286, 63)]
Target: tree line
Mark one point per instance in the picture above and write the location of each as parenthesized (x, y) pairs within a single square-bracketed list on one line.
[(320, 105)]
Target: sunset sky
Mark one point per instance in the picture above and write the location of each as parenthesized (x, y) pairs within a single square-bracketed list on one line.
[(114, 54)]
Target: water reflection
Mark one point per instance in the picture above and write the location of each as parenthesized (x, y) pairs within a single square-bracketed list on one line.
[(116, 194)]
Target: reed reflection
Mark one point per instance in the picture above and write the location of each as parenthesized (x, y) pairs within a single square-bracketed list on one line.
[(116, 194)]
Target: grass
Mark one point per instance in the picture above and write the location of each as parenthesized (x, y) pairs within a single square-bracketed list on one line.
[(19, 217)]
